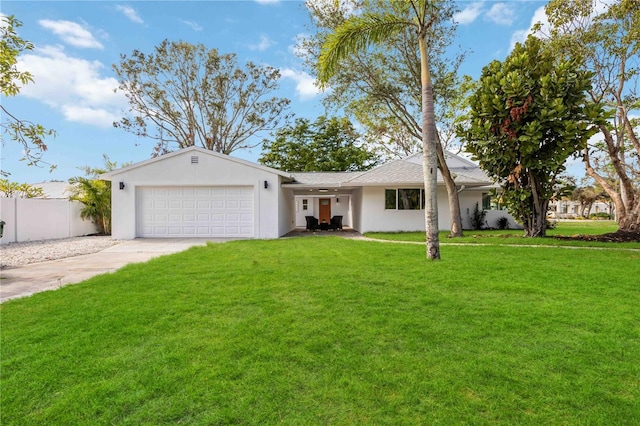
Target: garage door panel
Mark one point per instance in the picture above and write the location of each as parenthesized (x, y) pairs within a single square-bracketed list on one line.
[(196, 211)]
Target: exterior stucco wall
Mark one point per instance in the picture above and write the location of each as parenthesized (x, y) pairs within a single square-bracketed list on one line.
[(287, 212), (468, 200), (34, 219), (375, 218), (356, 209), (211, 170)]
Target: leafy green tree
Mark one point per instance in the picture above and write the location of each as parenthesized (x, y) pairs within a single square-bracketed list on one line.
[(184, 95), (526, 118), (380, 85), (606, 35), (586, 196), (25, 132), (325, 145), (360, 31), (19, 190), (95, 194)]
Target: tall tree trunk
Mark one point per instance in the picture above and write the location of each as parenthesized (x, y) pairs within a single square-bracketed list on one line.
[(429, 154), (631, 221), (452, 194)]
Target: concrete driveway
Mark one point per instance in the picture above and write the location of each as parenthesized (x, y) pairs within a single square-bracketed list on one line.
[(36, 277)]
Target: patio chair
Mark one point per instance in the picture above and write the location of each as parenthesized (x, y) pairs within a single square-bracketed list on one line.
[(336, 223), (312, 223)]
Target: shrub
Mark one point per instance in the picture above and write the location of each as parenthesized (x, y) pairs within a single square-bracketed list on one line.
[(600, 215), (503, 223), (477, 217)]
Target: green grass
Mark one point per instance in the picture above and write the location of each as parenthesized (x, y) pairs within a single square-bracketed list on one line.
[(332, 331), (516, 237)]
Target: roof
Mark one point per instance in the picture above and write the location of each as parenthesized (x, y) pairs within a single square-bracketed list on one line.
[(404, 171), (192, 149), (325, 178), (54, 189)]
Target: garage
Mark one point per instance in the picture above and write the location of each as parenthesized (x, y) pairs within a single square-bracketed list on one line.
[(195, 211)]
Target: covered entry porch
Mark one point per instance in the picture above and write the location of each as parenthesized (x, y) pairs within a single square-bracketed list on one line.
[(324, 203)]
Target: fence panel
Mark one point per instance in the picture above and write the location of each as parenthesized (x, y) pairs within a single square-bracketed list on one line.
[(34, 219)]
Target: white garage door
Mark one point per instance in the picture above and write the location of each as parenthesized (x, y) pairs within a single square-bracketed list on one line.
[(195, 212)]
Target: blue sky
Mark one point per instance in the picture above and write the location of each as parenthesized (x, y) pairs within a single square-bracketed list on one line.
[(78, 41)]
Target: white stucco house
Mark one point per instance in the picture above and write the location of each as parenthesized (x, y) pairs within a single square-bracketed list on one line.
[(199, 193)]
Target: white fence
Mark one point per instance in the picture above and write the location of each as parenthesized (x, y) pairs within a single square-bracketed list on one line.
[(33, 219)]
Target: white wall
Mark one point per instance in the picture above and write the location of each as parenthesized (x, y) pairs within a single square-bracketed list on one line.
[(211, 170), (34, 219), (287, 214), (375, 218), (468, 200)]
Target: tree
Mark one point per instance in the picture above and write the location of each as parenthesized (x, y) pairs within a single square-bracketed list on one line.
[(323, 146), (587, 196), (95, 194), (526, 118), (184, 95), (606, 35), (25, 132), (379, 85), (356, 34), (19, 190)]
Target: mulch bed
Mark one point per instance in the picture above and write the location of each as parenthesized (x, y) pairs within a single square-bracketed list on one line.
[(614, 237)]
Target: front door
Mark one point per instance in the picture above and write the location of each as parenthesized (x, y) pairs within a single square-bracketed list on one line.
[(325, 210)]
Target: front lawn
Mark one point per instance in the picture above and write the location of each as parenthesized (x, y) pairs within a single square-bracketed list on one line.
[(516, 237), (332, 331)]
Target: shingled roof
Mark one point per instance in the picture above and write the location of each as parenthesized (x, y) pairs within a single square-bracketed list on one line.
[(405, 171)]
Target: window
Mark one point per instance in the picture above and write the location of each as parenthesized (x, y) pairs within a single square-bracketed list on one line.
[(408, 199), (390, 199), (486, 201), (305, 204), (403, 199)]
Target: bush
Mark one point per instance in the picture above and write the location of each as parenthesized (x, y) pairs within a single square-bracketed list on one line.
[(503, 223), (551, 224), (477, 218), (601, 215)]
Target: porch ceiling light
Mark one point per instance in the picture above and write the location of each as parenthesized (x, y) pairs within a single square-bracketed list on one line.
[(323, 190)]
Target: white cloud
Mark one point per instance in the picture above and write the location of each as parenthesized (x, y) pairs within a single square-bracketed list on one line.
[(194, 25), (298, 47), (72, 85), (468, 14), (521, 35), (71, 33), (501, 14), (305, 84), (263, 45), (130, 13)]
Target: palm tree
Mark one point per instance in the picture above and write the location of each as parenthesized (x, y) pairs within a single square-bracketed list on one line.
[(358, 32), (95, 194)]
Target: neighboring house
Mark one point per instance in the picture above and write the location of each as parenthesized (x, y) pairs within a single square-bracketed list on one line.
[(569, 209), (54, 190), (199, 193)]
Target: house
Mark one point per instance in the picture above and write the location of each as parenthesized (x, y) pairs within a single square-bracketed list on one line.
[(199, 193)]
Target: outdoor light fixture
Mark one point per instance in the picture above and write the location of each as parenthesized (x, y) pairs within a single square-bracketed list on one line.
[(266, 184), (121, 185), (323, 190), (337, 200)]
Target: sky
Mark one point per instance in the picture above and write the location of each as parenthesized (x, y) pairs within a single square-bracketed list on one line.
[(77, 42)]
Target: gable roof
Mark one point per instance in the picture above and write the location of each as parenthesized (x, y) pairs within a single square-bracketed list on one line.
[(192, 149), (404, 171)]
